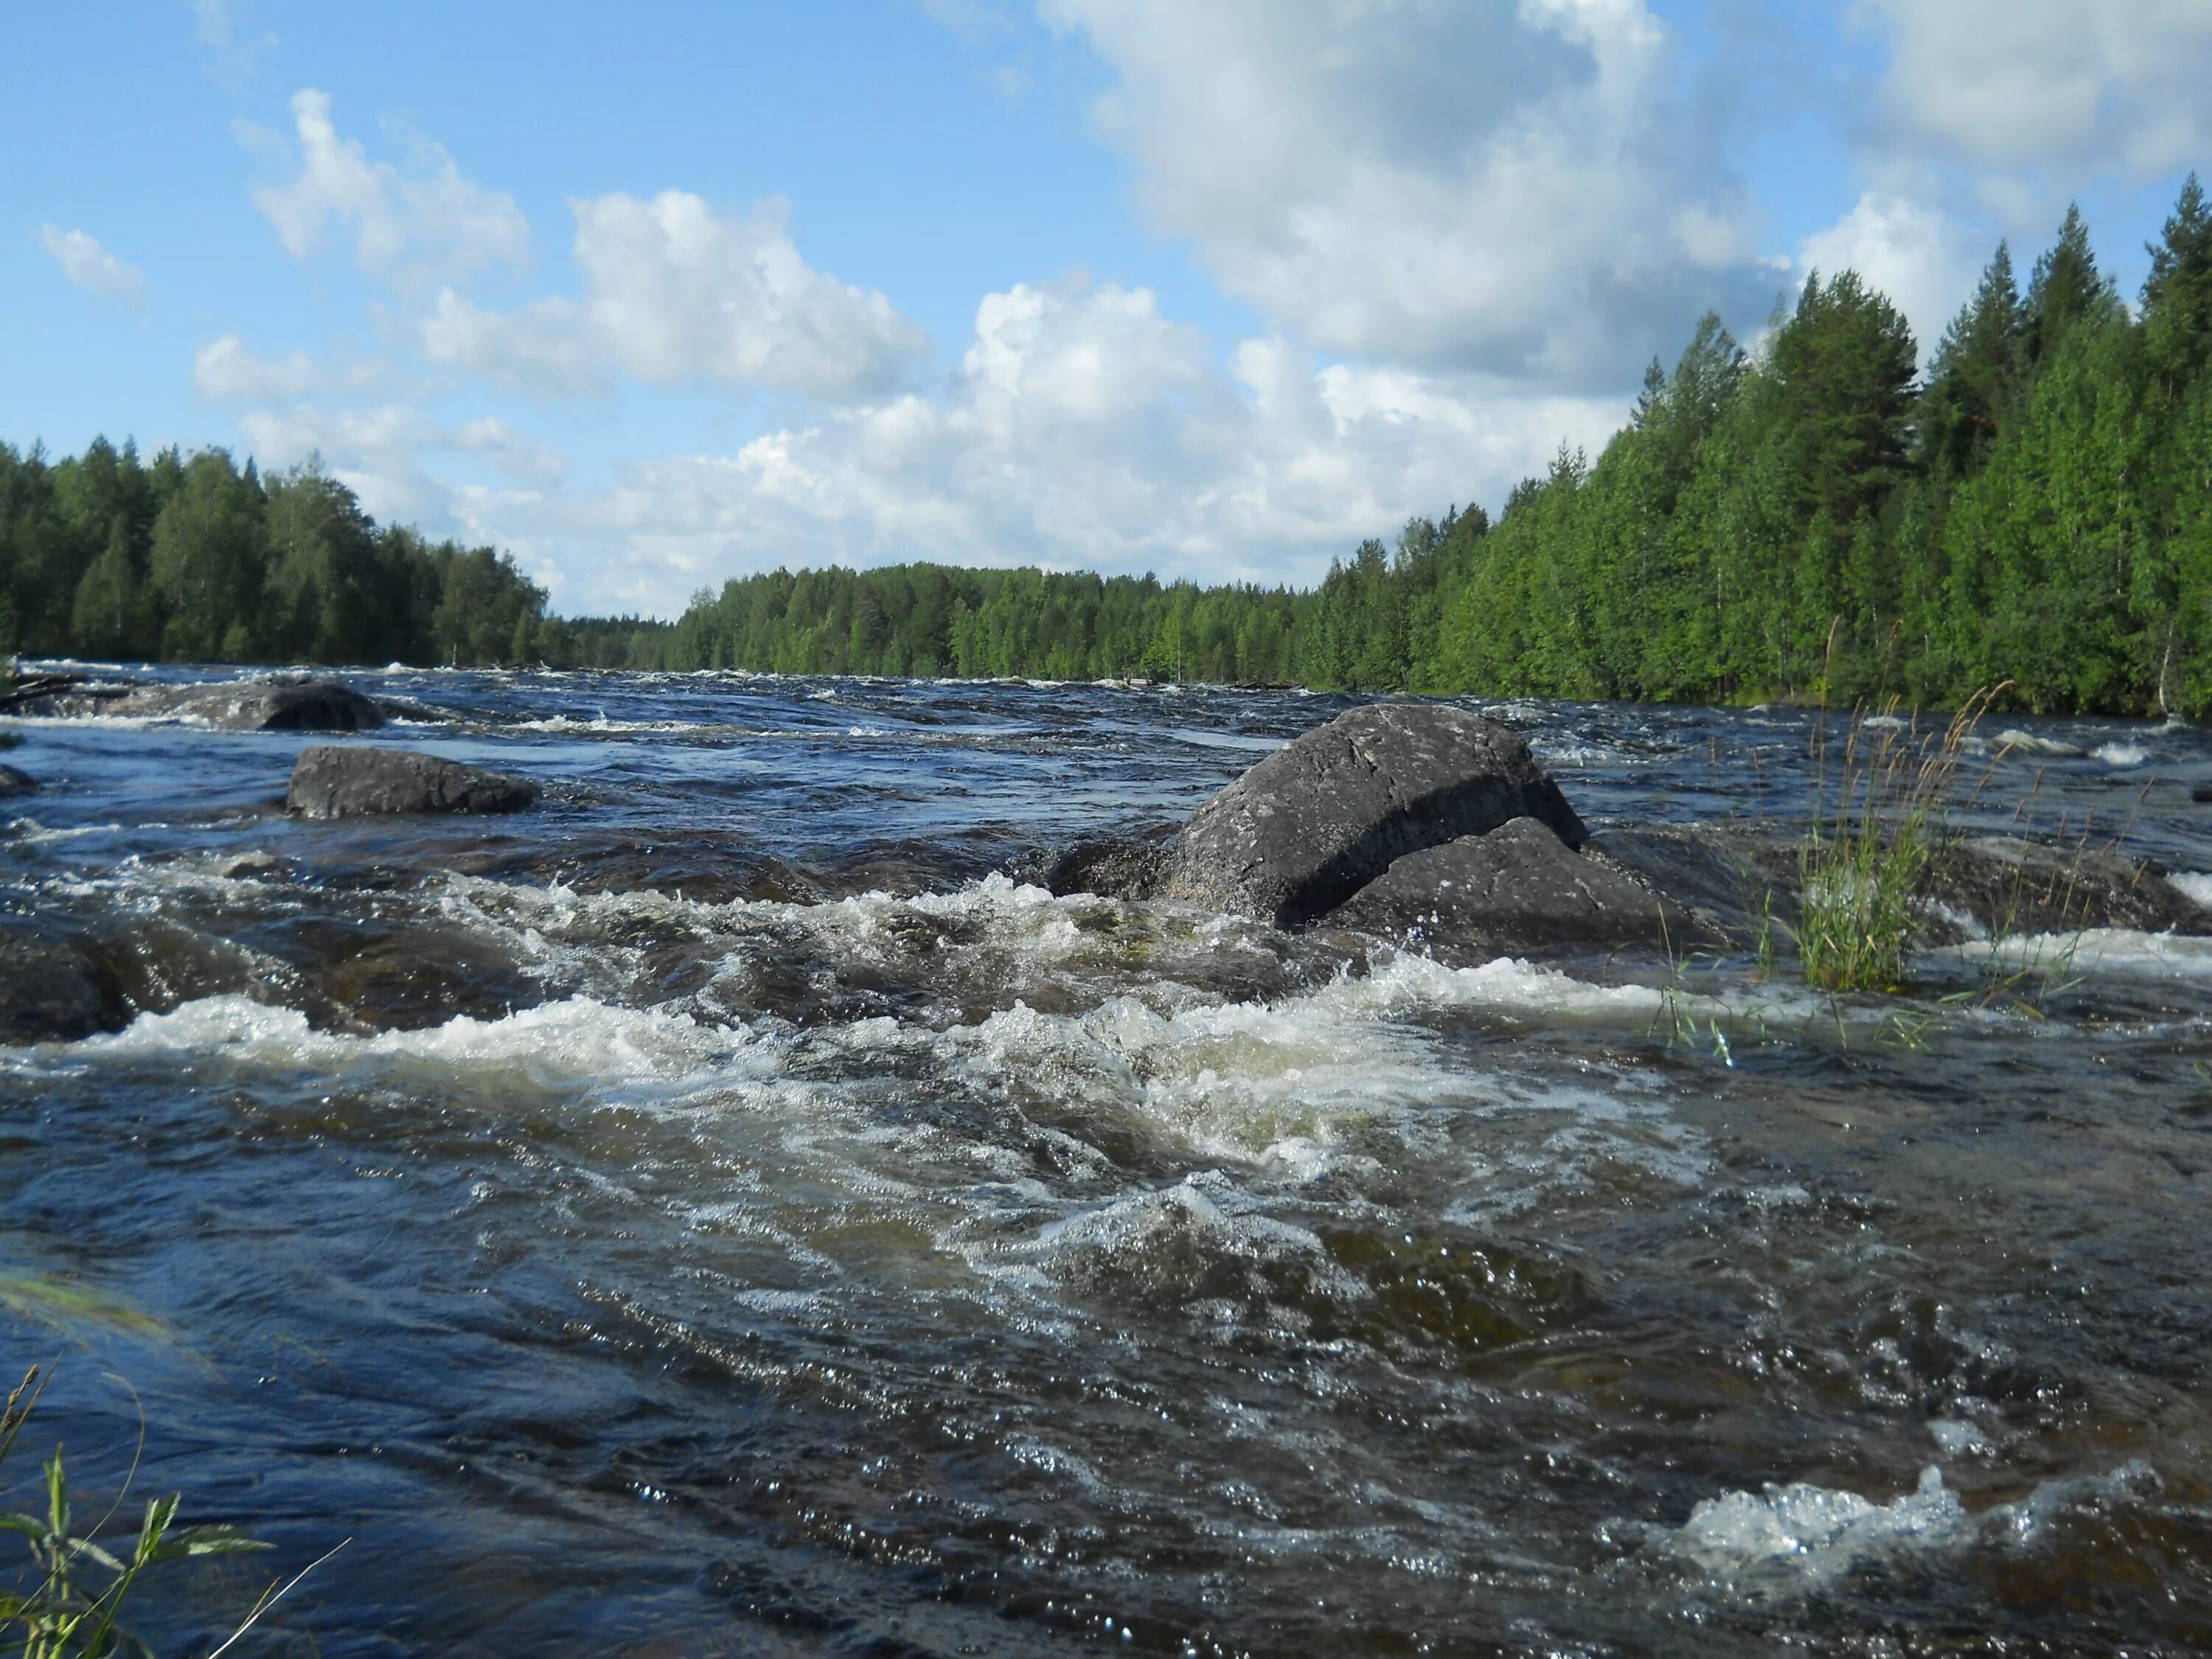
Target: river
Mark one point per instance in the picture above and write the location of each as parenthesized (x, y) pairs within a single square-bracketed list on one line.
[(727, 1210)]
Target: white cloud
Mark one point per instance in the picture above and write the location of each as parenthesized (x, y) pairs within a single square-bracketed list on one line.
[(676, 293), (1908, 248), (426, 224), (1517, 189), (2079, 85), (383, 452), (224, 371), (1081, 429), (87, 265)]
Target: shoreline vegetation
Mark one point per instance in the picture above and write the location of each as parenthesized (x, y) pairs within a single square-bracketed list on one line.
[(1809, 520)]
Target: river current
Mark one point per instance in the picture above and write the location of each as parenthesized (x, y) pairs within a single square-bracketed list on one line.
[(729, 1209)]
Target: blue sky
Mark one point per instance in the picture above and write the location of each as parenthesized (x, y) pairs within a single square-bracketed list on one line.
[(659, 295)]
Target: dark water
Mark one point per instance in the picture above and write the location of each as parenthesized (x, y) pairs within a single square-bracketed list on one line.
[(721, 1212)]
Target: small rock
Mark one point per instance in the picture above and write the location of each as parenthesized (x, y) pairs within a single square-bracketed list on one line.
[(1519, 890), (1319, 818), (1110, 866), (2203, 792), (53, 991), (334, 782), (13, 782), (254, 865)]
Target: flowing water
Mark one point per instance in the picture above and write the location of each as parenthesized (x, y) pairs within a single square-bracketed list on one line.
[(727, 1210)]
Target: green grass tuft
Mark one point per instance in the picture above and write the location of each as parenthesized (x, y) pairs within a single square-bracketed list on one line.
[(1866, 859)]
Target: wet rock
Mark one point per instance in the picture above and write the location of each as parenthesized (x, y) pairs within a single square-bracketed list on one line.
[(1714, 875), (1319, 819), (13, 782), (255, 866), (259, 706), (55, 991), (334, 782), (2013, 886), (1517, 890), (2203, 792), (1109, 865)]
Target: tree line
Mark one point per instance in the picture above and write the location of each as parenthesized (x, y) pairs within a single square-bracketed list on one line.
[(194, 559), (1810, 517)]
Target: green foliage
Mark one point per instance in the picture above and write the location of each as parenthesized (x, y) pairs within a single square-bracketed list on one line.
[(68, 1602), (193, 559), (1865, 861)]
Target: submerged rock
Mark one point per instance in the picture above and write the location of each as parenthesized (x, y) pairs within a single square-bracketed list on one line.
[(1319, 818), (1516, 890), (13, 782), (259, 706), (333, 782), (52, 991)]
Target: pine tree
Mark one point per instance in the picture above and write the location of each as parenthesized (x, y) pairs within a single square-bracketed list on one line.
[(1976, 376), (2177, 296)]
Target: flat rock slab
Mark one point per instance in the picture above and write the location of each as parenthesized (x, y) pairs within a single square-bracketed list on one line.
[(259, 706), (330, 781), (13, 782), (53, 991), (1319, 818), (1518, 890)]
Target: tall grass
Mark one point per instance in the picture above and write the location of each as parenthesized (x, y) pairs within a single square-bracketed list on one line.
[(1877, 826), (68, 1603)]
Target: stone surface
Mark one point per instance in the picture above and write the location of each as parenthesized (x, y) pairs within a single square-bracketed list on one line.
[(1319, 818), (259, 706), (1110, 866), (13, 782), (330, 781), (1516, 891), (52, 991)]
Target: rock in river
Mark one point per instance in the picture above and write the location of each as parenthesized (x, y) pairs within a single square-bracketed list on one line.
[(13, 782), (330, 781), (1319, 818), (1518, 888), (259, 706), (54, 991)]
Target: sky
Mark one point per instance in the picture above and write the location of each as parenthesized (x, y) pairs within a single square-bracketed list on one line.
[(655, 296)]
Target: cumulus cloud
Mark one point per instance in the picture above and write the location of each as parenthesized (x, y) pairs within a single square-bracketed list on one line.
[(383, 452), (676, 292), (89, 266), (1518, 189), (414, 226), (2075, 84), (1082, 429), (1909, 249)]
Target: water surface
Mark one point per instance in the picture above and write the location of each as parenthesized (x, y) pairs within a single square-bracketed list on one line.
[(727, 1212)]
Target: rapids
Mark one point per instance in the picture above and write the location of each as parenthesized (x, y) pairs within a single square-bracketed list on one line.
[(729, 1209)]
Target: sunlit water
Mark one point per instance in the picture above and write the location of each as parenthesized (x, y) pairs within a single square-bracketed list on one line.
[(727, 1210)]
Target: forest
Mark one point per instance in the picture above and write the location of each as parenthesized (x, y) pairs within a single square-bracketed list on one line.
[(193, 559), (1811, 517)]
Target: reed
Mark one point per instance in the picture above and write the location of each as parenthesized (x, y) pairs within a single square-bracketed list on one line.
[(68, 1602), (1877, 827)]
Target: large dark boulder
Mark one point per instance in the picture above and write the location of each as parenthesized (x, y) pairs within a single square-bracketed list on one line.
[(53, 991), (259, 706), (1319, 818), (329, 782), (13, 782), (1517, 890)]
